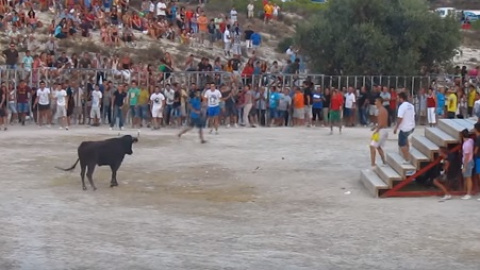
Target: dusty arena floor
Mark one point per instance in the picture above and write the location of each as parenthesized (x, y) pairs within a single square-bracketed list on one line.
[(260, 199)]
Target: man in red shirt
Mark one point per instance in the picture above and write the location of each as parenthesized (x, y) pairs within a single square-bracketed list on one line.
[(22, 101), (336, 105)]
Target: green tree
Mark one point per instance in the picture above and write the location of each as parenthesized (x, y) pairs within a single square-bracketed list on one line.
[(377, 37)]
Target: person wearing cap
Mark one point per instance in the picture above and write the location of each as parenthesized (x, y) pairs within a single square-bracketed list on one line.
[(451, 103)]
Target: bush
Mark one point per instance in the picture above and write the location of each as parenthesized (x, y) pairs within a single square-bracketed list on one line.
[(284, 44)]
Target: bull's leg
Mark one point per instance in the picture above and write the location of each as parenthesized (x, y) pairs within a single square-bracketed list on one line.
[(114, 183), (82, 174), (91, 168)]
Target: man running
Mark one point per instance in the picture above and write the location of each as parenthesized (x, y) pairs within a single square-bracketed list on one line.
[(196, 120), (380, 133), (449, 173), (213, 97)]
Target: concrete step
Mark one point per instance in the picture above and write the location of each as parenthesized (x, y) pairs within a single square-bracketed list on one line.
[(466, 123), (417, 157), (387, 174), (439, 137), (425, 146), (451, 126), (372, 182), (395, 161)]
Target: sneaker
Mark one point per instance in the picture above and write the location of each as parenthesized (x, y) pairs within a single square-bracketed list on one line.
[(111, 128), (466, 197), (66, 128), (446, 198), (236, 126), (228, 126), (60, 128)]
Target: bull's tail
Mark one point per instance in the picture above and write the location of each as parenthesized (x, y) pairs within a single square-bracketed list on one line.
[(71, 168)]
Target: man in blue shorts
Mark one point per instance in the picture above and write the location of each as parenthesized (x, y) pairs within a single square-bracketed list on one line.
[(213, 97), (196, 119)]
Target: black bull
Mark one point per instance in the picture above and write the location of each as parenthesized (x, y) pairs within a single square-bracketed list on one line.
[(108, 152)]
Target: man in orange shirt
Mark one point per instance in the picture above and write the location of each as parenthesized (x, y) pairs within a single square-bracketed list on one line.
[(298, 107), (336, 105), (268, 9), (202, 27)]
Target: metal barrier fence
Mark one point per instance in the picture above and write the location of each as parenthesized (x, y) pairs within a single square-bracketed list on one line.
[(81, 77)]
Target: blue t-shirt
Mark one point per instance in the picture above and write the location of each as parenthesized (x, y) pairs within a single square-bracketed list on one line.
[(274, 98), (196, 106), (440, 100), (256, 39), (317, 104), (58, 30)]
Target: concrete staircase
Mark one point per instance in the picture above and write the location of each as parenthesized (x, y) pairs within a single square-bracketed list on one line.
[(423, 149)]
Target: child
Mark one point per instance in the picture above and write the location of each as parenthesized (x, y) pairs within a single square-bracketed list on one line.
[(196, 119)]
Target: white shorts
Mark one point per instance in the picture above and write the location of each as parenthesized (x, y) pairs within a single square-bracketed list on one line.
[(157, 112), (61, 111), (373, 111), (299, 113), (382, 139), (227, 46), (95, 112), (308, 111), (431, 115)]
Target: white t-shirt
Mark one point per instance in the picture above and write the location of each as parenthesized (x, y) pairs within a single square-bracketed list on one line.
[(160, 11), (406, 111), (60, 96), (250, 7), (213, 97), (349, 100), (43, 96), (233, 15), (96, 96), (170, 96), (226, 36), (157, 100)]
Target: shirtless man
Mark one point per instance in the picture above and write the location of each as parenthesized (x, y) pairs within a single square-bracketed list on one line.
[(380, 133)]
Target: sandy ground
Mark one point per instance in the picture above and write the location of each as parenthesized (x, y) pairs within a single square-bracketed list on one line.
[(265, 198)]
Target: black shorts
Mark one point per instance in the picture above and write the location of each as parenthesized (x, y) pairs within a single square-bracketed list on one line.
[(450, 115), (230, 109), (43, 107), (3, 113)]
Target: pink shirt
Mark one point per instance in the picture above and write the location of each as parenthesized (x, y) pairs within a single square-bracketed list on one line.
[(467, 148)]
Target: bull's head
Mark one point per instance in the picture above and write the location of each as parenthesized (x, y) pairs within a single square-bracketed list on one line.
[(128, 142)]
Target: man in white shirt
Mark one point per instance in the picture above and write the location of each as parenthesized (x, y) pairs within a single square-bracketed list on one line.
[(161, 9), (349, 107), (213, 97), (406, 124), (95, 111), (227, 41), (233, 15), (250, 8), (61, 114), (157, 102), (43, 103)]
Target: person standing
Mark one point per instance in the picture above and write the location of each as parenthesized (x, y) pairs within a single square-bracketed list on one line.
[(327, 96), (308, 99), (96, 101), (213, 97), (43, 102), (250, 10), (350, 102), (380, 133), (196, 120), (157, 101), (406, 125), (393, 106), (386, 96), (117, 104), (169, 94), (431, 108), (249, 98), (298, 107), (107, 103), (440, 96), (3, 113), (22, 101), (61, 113), (133, 94), (317, 106), (273, 101), (284, 106), (451, 104), (336, 104), (468, 163), (362, 103)]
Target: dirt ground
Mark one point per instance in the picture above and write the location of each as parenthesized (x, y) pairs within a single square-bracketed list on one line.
[(265, 198)]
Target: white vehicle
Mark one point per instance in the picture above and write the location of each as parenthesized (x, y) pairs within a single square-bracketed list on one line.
[(444, 12)]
